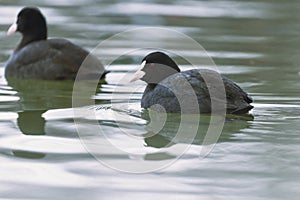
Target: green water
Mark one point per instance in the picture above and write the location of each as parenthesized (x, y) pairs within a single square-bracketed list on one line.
[(49, 150)]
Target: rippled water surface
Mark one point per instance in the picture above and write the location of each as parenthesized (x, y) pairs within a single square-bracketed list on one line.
[(47, 152)]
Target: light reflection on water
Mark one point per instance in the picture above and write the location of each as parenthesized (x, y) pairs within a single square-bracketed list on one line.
[(254, 43)]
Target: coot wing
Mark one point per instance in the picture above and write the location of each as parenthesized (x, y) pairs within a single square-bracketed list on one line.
[(237, 100), (50, 59), (181, 92)]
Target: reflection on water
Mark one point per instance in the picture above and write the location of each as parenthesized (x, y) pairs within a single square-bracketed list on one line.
[(253, 43), (35, 98), (169, 132), (25, 119)]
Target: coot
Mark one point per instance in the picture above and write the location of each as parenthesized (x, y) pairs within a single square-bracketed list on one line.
[(164, 77), (37, 57)]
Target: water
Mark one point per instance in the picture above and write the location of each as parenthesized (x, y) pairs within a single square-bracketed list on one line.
[(254, 43)]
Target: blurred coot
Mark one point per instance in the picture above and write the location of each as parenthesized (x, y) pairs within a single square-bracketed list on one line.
[(37, 57)]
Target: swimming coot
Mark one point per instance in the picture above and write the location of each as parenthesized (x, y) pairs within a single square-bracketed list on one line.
[(164, 78), (37, 57)]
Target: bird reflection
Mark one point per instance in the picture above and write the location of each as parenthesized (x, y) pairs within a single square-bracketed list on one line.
[(36, 98), (169, 133), (31, 122)]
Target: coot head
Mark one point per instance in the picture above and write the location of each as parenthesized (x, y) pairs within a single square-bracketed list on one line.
[(31, 24), (155, 67)]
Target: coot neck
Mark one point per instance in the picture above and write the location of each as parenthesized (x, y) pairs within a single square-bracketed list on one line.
[(151, 86), (32, 37)]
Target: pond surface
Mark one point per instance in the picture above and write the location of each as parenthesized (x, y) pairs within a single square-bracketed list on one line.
[(45, 155)]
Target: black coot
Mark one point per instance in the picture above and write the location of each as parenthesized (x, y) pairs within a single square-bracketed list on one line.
[(37, 57), (164, 77)]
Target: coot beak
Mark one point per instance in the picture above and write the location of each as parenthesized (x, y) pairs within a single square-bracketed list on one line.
[(139, 73), (12, 29)]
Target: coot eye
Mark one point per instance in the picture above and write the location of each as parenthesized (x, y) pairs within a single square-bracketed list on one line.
[(152, 65)]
